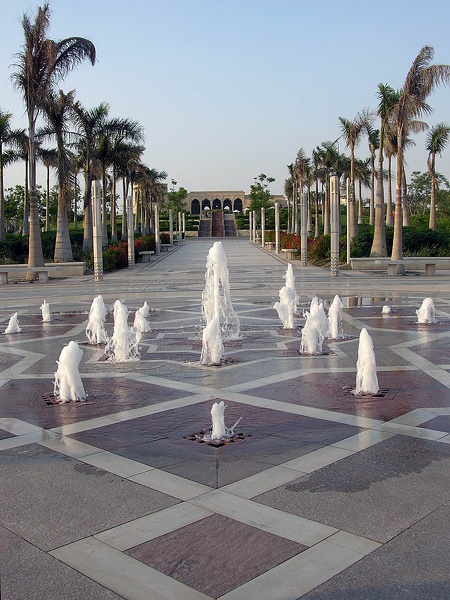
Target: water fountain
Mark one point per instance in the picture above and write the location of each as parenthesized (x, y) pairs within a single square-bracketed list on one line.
[(216, 301), (140, 322), (426, 313), (145, 310), (290, 283), (95, 329), (46, 316), (13, 325), (212, 345), (335, 330), (366, 368), (68, 386), (286, 307), (386, 310), (123, 346)]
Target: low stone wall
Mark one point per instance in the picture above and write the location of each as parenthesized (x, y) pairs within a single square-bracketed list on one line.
[(412, 263), (68, 269)]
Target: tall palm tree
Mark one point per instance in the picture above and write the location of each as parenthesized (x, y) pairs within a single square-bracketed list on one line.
[(420, 81), (436, 141), (329, 157), (301, 170), (56, 110), (8, 138), (363, 175), (113, 131), (42, 63), (351, 131), (388, 97), (89, 125)]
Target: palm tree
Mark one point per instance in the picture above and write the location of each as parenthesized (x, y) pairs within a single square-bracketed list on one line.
[(436, 141), (387, 99), (89, 124), (420, 81), (42, 63), (56, 109), (8, 138), (363, 175), (118, 130), (329, 157), (351, 132)]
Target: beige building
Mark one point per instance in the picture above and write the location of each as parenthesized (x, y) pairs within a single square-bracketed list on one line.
[(235, 200)]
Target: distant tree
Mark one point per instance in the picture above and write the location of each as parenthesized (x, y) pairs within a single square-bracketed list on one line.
[(419, 191), (436, 141), (260, 196), (176, 198)]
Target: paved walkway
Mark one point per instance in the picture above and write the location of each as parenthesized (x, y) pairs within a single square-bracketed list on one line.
[(328, 496)]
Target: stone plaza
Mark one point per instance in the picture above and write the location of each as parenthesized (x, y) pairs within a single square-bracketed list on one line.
[(327, 496)]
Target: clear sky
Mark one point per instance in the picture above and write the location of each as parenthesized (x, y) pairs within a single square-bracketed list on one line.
[(228, 89)]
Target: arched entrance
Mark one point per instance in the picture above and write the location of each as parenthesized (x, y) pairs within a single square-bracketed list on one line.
[(238, 205), (217, 205), (195, 207), (206, 203), (227, 204)]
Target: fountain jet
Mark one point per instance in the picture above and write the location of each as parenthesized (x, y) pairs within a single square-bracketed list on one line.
[(95, 329), (366, 368), (68, 385), (426, 313)]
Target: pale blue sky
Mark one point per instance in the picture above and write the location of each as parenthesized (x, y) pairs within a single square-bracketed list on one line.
[(227, 89)]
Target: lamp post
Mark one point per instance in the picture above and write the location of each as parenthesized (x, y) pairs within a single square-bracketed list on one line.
[(130, 227), (277, 228), (97, 231), (171, 227), (263, 226), (303, 230), (157, 238), (334, 224)]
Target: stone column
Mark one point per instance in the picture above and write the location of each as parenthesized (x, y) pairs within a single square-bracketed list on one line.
[(130, 228), (303, 230), (97, 230), (250, 224), (157, 237), (263, 226), (277, 228), (183, 218), (254, 226), (179, 228), (171, 227), (334, 224)]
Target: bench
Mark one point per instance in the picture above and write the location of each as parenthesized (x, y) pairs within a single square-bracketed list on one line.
[(43, 273), (146, 255), (430, 269), (392, 269), (290, 253), (165, 247)]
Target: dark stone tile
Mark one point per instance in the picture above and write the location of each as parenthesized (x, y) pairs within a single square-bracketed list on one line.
[(160, 441), (54, 500), (28, 572), (412, 566), (376, 493), (407, 390), (25, 400), (216, 554), (441, 423), (5, 434)]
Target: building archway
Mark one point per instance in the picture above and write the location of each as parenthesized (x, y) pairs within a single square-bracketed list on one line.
[(227, 204), (195, 207), (217, 204), (206, 203), (238, 205)]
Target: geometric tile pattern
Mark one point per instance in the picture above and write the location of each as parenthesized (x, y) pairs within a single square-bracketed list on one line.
[(277, 515)]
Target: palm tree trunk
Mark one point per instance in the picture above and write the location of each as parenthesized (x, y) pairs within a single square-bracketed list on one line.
[(26, 193), (432, 171), (113, 208), (316, 211), (124, 209), (326, 209), (405, 203), (2, 197), (389, 215), (63, 246), (372, 191), (35, 254), (352, 226), (104, 216), (397, 243), (379, 247)]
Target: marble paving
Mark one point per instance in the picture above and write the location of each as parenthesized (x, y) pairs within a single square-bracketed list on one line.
[(327, 495)]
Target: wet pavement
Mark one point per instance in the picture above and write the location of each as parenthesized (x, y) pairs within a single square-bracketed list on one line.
[(325, 495)]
